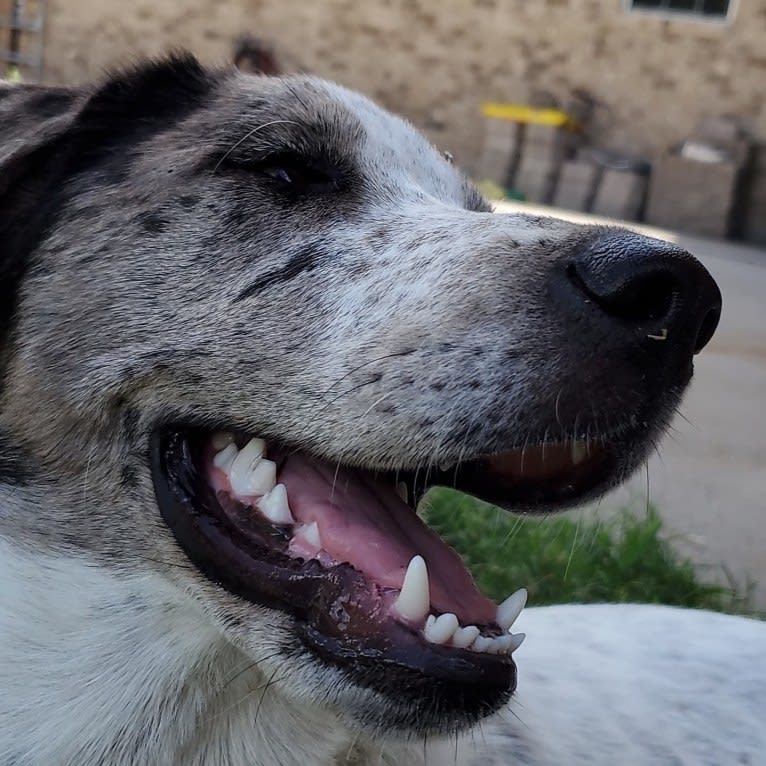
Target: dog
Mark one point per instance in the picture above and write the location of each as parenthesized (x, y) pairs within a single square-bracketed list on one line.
[(246, 322)]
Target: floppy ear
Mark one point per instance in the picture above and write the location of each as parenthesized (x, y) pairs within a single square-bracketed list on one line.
[(49, 135), (33, 120)]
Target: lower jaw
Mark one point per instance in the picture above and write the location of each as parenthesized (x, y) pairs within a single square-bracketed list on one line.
[(412, 698)]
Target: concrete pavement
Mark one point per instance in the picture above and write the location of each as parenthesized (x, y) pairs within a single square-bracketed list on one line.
[(709, 480)]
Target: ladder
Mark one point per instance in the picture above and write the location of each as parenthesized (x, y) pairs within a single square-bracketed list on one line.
[(22, 38)]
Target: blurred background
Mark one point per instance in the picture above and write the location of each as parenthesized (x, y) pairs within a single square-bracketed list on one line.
[(648, 111)]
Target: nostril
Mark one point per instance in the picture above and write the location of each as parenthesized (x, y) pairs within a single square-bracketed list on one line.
[(647, 296)]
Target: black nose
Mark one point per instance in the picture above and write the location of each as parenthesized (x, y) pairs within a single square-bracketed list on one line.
[(651, 287)]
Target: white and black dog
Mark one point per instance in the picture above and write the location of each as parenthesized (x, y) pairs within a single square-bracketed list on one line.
[(245, 323)]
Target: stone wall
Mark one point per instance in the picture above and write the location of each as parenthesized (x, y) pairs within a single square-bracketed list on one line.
[(436, 61)]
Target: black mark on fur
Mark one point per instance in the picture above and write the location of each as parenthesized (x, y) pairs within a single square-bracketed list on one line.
[(130, 422), (129, 476), (152, 221), (96, 255), (14, 464), (188, 201), (304, 260)]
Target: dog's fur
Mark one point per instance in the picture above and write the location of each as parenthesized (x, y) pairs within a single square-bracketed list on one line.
[(150, 274)]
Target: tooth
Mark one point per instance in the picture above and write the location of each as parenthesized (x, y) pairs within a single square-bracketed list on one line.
[(579, 451), (511, 608), (251, 453), (401, 490), (222, 439), (481, 644), (249, 475), (275, 507), (506, 644), (445, 465), (225, 457), (263, 477), (503, 644), (517, 639), (464, 637), (440, 631), (415, 598), (247, 460), (495, 645), (310, 533), (258, 481)]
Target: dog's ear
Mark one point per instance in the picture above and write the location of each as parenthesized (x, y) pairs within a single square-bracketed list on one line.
[(39, 124), (49, 135), (33, 120), (136, 103)]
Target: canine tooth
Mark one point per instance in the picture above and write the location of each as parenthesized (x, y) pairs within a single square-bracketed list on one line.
[(441, 629), (401, 490), (511, 608), (414, 598), (481, 644), (222, 439), (464, 637), (225, 457), (310, 533), (579, 451), (517, 639), (275, 507)]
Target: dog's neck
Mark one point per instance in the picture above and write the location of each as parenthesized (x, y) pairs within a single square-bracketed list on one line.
[(100, 668)]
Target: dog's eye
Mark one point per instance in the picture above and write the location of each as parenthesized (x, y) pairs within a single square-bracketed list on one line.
[(298, 172)]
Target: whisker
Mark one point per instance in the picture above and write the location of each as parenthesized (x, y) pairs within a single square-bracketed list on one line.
[(249, 134), (365, 364)]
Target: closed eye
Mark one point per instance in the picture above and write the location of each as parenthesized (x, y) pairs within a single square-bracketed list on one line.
[(289, 170), (297, 170)]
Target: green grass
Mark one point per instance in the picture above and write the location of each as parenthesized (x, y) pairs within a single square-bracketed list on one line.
[(559, 560)]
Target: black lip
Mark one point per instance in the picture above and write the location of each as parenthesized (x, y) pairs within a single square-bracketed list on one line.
[(387, 657), (570, 487)]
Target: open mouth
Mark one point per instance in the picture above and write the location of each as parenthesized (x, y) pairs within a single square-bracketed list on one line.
[(373, 590)]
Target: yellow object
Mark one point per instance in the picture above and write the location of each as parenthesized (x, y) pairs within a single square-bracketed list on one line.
[(528, 114), (13, 74)]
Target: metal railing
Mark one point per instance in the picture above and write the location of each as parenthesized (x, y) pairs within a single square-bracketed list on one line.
[(22, 40)]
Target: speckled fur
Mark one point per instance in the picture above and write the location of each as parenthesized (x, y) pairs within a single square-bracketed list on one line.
[(149, 275)]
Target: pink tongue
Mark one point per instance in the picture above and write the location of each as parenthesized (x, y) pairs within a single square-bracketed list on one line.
[(362, 521)]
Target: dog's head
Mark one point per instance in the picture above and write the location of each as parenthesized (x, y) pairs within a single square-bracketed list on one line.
[(243, 317)]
